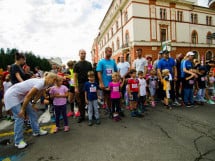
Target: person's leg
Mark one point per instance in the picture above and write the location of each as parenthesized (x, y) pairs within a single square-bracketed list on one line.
[(186, 95), (118, 105), (81, 105), (18, 125), (63, 111), (96, 110), (57, 116), (33, 118), (191, 96), (90, 110)]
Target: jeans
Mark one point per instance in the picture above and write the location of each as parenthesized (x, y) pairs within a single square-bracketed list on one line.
[(18, 125), (58, 111), (188, 95), (200, 95), (93, 107)]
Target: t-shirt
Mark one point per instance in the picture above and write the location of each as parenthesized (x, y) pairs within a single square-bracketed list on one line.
[(115, 89), (133, 84), (201, 81), (139, 64), (166, 64), (123, 68), (142, 83), (91, 89), (59, 90), (15, 95), (106, 67), (81, 68), (153, 80), (16, 69), (186, 64), (6, 85)]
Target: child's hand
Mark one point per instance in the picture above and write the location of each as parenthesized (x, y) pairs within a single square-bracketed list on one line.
[(87, 102)]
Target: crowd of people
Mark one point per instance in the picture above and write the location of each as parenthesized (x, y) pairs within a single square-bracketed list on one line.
[(182, 82)]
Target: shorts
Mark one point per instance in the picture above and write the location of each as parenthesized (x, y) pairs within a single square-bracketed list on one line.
[(152, 91), (134, 96), (71, 89)]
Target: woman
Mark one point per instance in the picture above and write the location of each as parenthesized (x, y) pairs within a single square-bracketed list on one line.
[(18, 98), (16, 71)]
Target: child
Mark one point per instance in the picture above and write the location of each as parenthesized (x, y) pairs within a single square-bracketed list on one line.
[(142, 95), (59, 93), (153, 83), (115, 95), (133, 91), (188, 89), (91, 98), (7, 84), (166, 87), (201, 85), (211, 81)]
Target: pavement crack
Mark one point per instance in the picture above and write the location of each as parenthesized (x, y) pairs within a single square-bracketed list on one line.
[(165, 132)]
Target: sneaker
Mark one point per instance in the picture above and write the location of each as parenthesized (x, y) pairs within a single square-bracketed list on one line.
[(176, 103), (56, 129), (40, 133), (211, 102), (69, 114), (21, 145), (77, 114), (98, 122), (53, 119), (90, 123), (188, 105), (66, 128), (104, 106), (133, 114), (153, 103)]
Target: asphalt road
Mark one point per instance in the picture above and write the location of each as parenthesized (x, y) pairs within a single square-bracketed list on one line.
[(181, 134)]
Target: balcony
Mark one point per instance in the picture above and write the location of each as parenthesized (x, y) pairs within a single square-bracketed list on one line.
[(211, 4)]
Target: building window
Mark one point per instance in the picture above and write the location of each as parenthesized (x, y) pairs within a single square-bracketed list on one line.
[(180, 16), (163, 14), (194, 18), (113, 46), (126, 16), (117, 25), (208, 20), (126, 39), (194, 37), (209, 56), (112, 32), (209, 38), (163, 34), (117, 43)]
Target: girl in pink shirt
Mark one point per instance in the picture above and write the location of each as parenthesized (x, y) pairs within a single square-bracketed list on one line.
[(115, 95)]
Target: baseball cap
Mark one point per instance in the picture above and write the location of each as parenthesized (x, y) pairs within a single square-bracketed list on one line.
[(160, 52), (165, 52), (190, 53)]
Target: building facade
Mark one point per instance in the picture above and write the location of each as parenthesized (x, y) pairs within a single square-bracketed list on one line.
[(132, 24)]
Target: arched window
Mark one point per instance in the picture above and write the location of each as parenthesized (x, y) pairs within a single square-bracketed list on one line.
[(208, 56), (126, 38), (194, 37), (209, 38), (117, 43), (196, 55)]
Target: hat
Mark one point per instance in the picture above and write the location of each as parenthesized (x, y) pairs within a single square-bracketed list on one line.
[(165, 52), (160, 52), (190, 53)]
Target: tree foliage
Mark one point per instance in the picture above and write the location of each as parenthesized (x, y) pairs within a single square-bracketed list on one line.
[(8, 57)]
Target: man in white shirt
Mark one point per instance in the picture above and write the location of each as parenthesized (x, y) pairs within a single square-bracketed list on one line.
[(140, 64), (123, 67)]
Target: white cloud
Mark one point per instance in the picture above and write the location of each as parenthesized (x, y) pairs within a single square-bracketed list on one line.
[(51, 28)]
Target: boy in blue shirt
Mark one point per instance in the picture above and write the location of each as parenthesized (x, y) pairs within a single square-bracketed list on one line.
[(91, 88)]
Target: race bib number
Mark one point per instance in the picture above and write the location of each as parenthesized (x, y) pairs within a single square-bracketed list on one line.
[(116, 89), (191, 82), (109, 71), (203, 79), (134, 86), (92, 89)]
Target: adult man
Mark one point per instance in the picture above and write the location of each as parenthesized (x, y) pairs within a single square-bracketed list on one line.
[(178, 60), (123, 67), (105, 69), (167, 62), (80, 71), (140, 64)]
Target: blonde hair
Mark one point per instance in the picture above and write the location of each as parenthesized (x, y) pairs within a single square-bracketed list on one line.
[(165, 72), (115, 74), (50, 75)]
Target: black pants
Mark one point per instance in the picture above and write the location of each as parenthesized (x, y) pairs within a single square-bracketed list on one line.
[(177, 88), (80, 97), (115, 103), (58, 111)]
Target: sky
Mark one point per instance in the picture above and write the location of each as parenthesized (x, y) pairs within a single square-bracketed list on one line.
[(52, 28)]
